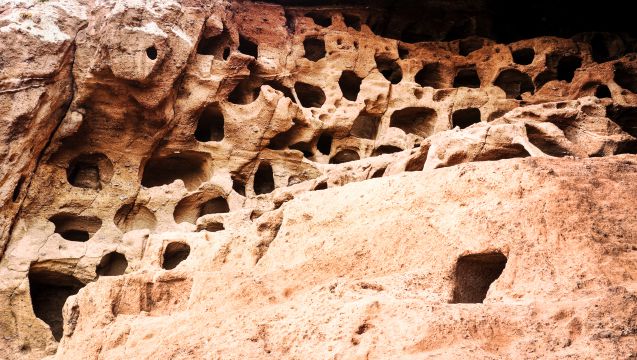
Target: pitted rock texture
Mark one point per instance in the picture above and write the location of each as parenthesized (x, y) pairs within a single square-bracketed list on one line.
[(186, 180)]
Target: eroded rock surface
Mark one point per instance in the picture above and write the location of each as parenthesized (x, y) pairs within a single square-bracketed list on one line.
[(260, 180)]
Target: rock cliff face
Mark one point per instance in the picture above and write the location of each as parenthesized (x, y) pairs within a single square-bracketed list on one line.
[(226, 180)]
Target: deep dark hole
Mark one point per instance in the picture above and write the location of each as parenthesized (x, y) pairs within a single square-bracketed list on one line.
[(430, 75), (49, 291), (211, 45), (469, 45), (289, 22), (414, 120), (248, 47), (75, 235), (474, 274), (75, 228), (389, 68), (314, 48), (85, 175), (378, 173), (321, 186), (386, 149), (112, 264), (309, 95), (263, 179), (352, 21), (467, 78), (344, 156), (214, 206), (174, 254), (239, 186), (246, 91), (210, 126), (282, 140), (465, 117), (303, 147), (626, 77), (226, 53), (350, 84), (151, 52), (323, 20), (324, 144), (403, 52), (514, 83), (190, 167), (626, 118), (276, 85), (567, 66), (214, 227), (365, 126), (602, 91), (17, 189), (523, 56)]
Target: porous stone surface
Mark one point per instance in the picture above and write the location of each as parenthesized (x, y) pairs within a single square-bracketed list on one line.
[(227, 179)]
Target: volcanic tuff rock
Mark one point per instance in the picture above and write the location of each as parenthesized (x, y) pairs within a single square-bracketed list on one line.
[(227, 179)]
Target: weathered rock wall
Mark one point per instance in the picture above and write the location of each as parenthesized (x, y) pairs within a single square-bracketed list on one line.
[(138, 134)]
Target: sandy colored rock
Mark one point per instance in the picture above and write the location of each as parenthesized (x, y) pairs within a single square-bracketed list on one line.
[(231, 179)]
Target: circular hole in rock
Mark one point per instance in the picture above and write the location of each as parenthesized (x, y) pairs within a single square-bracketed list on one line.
[(134, 217), (112, 264), (151, 52), (174, 254)]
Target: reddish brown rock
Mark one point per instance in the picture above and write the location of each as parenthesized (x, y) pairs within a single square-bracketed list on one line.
[(164, 166)]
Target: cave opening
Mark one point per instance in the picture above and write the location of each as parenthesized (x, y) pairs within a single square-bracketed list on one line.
[(523, 56), (319, 19), (218, 46), (49, 290), (386, 149), (314, 48), (75, 227), (248, 47), (196, 205), (414, 120), (151, 52), (17, 189), (602, 91), (112, 264), (474, 275), (389, 68), (191, 167), (467, 77), (309, 95), (263, 179), (365, 126), (174, 254), (210, 126), (469, 45), (352, 21), (430, 76), (350, 84), (131, 217), (89, 171), (465, 117), (567, 66), (324, 144), (514, 83), (343, 156), (625, 77)]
